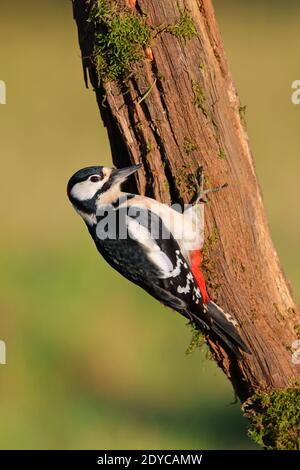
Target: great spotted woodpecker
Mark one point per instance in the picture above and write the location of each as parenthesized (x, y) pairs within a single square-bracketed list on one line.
[(152, 245)]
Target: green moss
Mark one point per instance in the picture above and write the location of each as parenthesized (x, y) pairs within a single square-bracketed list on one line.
[(184, 27), (139, 125), (166, 186), (185, 180), (199, 97), (197, 341), (149, 147), (202, 67), (213, 237), (275, 418), (119, 41), (208, 264), (209, 268), (189, 146), (160, 76), (253, 314), (121, 35), (221, 154)]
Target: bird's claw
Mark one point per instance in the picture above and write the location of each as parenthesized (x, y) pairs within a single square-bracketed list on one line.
[(201, 193)]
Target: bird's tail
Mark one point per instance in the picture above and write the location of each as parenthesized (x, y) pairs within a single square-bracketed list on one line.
[(224, 326)]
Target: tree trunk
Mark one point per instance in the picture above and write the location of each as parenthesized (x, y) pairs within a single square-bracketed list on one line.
[(177, 110)]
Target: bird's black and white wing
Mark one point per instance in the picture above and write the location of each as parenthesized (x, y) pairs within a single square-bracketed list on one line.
[(151, 254), (151, 258)]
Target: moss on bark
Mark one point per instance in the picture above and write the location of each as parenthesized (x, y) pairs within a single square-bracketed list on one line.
[(275, 418)]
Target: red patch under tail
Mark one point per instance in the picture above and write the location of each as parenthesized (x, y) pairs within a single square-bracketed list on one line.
[(196, 260)]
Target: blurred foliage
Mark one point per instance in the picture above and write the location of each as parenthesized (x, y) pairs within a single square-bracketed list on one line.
[(92, 361)]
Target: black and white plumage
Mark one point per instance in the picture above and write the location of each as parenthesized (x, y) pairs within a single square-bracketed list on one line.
[(160, 263)]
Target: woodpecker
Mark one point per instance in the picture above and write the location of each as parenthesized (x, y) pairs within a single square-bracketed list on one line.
[(156, 246)]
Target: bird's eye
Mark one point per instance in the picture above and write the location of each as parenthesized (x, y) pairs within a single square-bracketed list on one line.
[(95, 179)]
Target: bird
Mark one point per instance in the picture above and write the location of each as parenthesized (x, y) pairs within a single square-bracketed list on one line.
[(154, 245)]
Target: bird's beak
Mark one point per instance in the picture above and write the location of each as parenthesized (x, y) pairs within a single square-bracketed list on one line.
[(120, 175)]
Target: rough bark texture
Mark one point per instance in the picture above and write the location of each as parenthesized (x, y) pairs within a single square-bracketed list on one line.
[(192, 117)]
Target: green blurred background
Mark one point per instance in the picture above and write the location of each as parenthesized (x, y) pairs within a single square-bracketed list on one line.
[(92, 361)]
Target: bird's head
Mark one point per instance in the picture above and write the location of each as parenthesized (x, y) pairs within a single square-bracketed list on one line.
[(97, 184)]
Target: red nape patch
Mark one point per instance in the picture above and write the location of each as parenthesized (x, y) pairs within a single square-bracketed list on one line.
[(196, 260)]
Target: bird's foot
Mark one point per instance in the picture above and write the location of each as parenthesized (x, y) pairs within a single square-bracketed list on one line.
[(201, 193)]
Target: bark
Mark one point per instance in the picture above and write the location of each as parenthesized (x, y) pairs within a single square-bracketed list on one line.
[(191, 117)]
